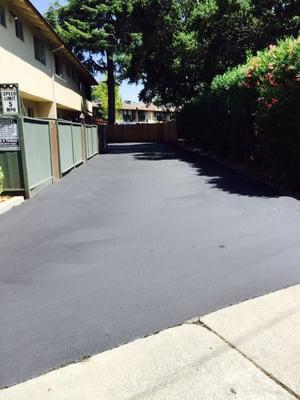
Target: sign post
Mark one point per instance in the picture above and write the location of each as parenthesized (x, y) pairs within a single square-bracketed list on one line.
[(11, 132)]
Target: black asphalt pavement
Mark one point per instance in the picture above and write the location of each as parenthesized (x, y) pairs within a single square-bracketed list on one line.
[(131, 243)]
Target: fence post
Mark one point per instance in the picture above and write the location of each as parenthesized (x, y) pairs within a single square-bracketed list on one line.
[(165, 132), (83, 141), (109, 133), (23, 159), (56, 173), (173, 126), (72, 136)]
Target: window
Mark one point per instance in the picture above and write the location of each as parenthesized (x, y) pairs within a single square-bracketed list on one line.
[(39, 50), (58, 67), (159, 116), (2, 17), (127, 116), (19, 29), (30, 112), (141, 116)]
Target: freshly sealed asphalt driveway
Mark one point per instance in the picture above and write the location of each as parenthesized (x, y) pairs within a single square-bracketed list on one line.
[(133, 242)]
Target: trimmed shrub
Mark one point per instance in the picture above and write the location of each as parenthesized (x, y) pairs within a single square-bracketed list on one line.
[(252, 112), (1, 180)]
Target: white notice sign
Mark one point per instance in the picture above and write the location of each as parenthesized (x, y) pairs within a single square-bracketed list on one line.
[(10, 104), (9, 135)]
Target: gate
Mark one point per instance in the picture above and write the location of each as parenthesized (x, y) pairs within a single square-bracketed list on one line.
[(37, 149), (77, 143)]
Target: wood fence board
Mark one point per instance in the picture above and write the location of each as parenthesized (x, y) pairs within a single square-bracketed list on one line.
[(159, 132)]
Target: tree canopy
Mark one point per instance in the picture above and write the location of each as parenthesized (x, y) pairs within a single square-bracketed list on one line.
[(97, 32), (184, 44), (174, 47), (100, 94)]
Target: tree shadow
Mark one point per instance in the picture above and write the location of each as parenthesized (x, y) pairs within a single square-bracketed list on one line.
[(217, 175), (132, 148)]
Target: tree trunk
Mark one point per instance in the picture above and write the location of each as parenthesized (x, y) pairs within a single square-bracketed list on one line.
[(111, 88)]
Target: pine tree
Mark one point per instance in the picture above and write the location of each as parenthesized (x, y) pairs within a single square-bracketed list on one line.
[(97, 32)]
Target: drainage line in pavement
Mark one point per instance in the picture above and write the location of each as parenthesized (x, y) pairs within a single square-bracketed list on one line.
[(285, 387)]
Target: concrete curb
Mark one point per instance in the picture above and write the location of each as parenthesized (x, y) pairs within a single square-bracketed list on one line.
[(228, 354), (9, 204)]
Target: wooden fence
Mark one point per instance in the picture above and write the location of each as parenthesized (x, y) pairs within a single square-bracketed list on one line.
[(160, 132)]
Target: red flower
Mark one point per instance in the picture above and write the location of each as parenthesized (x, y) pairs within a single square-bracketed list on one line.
[(272, 79), (272, 103)]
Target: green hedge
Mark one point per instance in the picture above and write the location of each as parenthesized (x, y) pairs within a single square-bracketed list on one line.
[(1, 180), (252, 112)]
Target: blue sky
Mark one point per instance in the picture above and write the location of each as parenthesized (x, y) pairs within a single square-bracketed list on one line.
[(128, 92)]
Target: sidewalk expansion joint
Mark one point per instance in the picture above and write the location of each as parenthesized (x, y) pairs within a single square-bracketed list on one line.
[(274, 379)]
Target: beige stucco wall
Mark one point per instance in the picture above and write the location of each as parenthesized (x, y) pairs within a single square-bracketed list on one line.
[(41, 109), (33, 105), (37, 81)]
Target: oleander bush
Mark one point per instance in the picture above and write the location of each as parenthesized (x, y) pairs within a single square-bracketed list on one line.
[(252, 112), (1, 180)]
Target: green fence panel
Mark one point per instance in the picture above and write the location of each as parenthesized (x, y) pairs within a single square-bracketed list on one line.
[(89, 141), (77, 144), (65, 139), (95, 140), (38, 152), (11, 165)]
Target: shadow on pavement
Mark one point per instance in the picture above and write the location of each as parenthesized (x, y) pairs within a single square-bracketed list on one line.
[(218, 175)]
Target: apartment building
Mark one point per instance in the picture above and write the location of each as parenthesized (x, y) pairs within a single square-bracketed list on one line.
[(144, 113), (53, 83)]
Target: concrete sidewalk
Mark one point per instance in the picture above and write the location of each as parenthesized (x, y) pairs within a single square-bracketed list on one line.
[(247, 351)]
